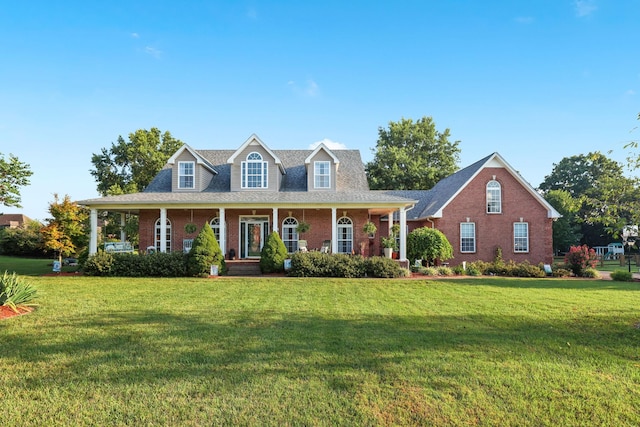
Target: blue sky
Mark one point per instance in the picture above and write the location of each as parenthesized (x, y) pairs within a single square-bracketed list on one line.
[(535, 81)]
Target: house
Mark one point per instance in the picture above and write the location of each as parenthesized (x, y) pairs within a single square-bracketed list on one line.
[(13, 220), (249, 192)]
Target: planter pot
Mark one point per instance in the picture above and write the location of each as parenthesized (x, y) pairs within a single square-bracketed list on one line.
[(388, 252)]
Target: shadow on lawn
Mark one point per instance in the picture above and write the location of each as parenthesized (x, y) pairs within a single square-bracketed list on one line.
[(151, 347), (549, 283)]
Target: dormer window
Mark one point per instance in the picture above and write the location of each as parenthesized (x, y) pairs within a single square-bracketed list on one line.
[(494, 197), (322, 174), (254, 171), (186, 175)]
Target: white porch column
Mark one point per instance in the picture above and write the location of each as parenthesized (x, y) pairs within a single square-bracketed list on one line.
[(223, 232), (275, 227), (163, 229), (123, 222), (403, 234), (334, 231), (93, 237)]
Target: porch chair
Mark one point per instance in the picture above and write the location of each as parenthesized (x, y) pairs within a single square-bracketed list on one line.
[(302, 245), (326, 247)]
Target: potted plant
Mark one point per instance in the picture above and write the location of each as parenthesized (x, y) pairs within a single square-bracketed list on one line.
[(389, 245), (303, 227), (190, 228), (370, 229)]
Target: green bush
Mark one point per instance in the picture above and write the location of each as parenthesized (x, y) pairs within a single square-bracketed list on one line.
[(579, 258), (458, 270), (591, 273), (473, 270), (524, 269), (348, 266), (204, 253), (560, 272), (445, 271), (428, 244), (384, 267), (273, 254), (622, 276), (15, 292), (98, 264), (317, 264)]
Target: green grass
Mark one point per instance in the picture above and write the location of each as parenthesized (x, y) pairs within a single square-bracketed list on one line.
[(30, 266), (274, 351)]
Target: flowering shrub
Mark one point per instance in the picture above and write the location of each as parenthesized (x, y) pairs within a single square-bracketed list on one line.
[(580, 258)]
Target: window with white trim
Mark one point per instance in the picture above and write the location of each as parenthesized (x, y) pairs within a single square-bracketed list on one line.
[(290, 234), (521, 237), (322, 174), (494, 197), (345, 235), (467, 237), (186, 175), (254, 171), (158, 234), (215, 226)]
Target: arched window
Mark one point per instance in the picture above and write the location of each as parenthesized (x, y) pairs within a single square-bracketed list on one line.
[(290, 234), (168, 236), (215, 226), (494, 197), (254, 171), (345, 235)]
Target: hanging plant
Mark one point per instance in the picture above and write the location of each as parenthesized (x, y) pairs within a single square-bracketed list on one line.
[(303, 227), (369, 228), (190, 228)]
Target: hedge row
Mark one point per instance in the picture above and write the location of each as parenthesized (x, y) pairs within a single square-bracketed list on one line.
[(318, 264), (159, 264)]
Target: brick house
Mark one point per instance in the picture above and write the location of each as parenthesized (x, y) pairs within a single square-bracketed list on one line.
[(247, 193)]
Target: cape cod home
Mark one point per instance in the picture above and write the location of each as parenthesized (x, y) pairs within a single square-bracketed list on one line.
[(249, 192)]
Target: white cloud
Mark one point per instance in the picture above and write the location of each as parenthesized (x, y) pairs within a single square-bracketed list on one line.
[(135, 35), (630, 92), (153, 51), (331, 145), (585, 7), (525, 19), (310, 88)]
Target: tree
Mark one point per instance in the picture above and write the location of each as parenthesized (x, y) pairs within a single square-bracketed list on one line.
[(428, 244), (13, 175), (65, 232), (205, 252), (566, 230), (129, 167), (412, 156), (22, 241)]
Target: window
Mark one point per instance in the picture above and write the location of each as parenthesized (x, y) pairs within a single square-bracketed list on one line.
[(345, 235), (168, 236), (322, 173), (467, 237), (254, 172), (186, 175), (521, 237), (215, 226), (494, 197), (290, 234)]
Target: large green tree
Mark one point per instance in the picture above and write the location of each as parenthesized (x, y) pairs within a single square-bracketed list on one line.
[(129, 166), (566, 230), (13, 175), (412, 156)]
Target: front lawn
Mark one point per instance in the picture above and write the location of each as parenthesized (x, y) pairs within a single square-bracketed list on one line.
[(284, 351)]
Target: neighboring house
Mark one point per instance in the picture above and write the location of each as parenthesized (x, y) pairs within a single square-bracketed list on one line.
[(13, 220), (247, 193)]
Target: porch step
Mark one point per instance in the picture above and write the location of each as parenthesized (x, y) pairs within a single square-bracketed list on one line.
[(243, 268)]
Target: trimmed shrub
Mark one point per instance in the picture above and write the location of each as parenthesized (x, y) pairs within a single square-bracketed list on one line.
[(445, 271), (428, 244), (204, 253), (348, 266), (524, 269), (15, 292), (591, 273), (273, 254), (622, 276), (317, 264), (98, 264), (384, 267)]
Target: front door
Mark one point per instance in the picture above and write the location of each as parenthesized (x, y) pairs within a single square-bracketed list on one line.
[(252, 236)]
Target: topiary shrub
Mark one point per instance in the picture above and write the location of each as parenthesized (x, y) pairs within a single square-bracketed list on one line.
[(98, 264), (428, 244), (273, 254), (205, 252), (622, 276)]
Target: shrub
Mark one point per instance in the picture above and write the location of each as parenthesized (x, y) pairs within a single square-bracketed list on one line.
[(621, 276), (15, 292), (273, 254), (429, 271), (98, 264), (445, 271), (580, 257), (348, 266), (204, 253), (317, 264), (428, 244), (591, 273), (384, 267), (560, 272), (458, 270), (524, 269), (472, 270)]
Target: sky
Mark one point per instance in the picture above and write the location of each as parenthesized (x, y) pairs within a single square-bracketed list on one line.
[(535, 81)]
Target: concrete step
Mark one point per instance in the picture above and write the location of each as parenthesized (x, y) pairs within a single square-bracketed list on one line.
[(243, 268)]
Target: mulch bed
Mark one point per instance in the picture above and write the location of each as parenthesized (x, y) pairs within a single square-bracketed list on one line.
[(7, 312)]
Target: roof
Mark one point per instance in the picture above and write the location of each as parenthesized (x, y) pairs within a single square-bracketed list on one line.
[(13, 220)]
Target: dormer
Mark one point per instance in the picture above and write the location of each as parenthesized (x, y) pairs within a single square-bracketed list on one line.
[(322, 169), (254, 167), (190, 172)]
